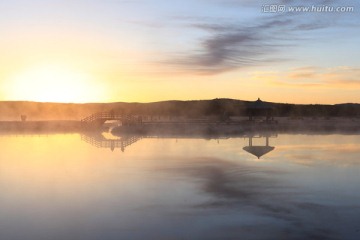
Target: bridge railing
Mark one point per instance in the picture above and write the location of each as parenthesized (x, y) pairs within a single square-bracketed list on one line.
[(110, 143), (107, 116)]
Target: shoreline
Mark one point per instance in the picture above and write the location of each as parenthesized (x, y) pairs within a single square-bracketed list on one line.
[(52, 126), (230, 130), (340, 125)]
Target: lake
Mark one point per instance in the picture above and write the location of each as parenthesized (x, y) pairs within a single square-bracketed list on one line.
[(68, 186)]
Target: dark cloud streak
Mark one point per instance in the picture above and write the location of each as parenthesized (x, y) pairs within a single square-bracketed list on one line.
[(259, 41)]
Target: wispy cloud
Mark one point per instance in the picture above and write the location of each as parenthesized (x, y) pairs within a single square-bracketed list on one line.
[(343, 77), (229, 47), (255, 42)]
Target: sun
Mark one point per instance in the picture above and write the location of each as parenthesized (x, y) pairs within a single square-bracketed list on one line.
[(53, 83)]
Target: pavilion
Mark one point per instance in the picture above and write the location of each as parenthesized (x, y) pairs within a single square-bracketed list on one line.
[(259, 109)]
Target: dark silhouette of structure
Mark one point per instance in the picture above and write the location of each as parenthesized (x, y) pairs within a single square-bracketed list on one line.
[(259, 109), (261, 150), (98, 119)]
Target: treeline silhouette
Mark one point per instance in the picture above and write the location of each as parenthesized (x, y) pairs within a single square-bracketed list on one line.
[(195, 108)]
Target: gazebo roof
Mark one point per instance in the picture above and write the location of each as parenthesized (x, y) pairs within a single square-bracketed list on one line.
[(258, 104), (258, 151)]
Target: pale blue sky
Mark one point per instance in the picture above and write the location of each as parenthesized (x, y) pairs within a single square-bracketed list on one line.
[(129, 45)]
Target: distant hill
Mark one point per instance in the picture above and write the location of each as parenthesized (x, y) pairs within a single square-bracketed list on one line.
[(11, 110)]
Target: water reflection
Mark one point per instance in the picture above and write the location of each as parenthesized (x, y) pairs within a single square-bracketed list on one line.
[(107, 140), (259, 150), (58, 187), (99, 140), (263, 205)]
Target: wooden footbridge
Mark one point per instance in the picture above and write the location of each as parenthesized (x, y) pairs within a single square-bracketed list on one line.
[(98, 119)]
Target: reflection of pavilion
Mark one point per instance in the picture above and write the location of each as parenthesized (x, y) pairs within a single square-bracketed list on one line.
[(259, 150), (100, 141)]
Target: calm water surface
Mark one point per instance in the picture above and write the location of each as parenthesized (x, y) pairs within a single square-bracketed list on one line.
[(61, 187)]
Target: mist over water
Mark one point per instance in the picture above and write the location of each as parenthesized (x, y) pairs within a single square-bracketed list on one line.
[(60, 187)]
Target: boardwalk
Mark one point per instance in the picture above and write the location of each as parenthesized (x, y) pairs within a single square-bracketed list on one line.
[(98, 119)]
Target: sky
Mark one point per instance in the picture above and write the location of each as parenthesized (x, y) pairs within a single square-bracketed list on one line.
[(154, 50)]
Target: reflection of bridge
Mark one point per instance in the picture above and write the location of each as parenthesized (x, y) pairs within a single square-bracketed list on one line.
[(98, 140), (101, 142), (98, 119)]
